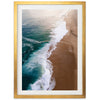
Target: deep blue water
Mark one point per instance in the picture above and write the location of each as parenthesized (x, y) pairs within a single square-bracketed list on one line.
[(35, 34)]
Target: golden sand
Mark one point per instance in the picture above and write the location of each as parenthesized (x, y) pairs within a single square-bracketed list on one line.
[(64, 57)]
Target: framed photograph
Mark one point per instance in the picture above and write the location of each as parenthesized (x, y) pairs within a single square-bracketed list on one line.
[(49, 49)]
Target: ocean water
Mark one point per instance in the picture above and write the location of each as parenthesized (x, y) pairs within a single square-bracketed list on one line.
[(40, 34)]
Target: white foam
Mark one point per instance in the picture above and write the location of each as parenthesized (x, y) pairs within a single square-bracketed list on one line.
[(47, 82)]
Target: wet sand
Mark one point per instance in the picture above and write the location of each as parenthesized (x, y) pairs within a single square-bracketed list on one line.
[(64, 57)]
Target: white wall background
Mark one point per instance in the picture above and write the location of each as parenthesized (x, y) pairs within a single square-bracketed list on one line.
[(92, 49)]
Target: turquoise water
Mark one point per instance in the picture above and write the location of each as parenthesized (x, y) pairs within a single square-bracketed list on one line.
[(35, 34)]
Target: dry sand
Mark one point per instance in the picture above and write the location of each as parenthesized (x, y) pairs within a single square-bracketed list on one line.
[(64, 57)]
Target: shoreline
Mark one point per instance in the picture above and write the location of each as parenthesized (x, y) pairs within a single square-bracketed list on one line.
[(64, 57)]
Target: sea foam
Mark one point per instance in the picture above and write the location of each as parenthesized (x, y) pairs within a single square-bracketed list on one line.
[(46, 81)]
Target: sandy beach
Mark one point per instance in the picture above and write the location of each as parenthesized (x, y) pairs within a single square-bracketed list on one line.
[(64, 57)]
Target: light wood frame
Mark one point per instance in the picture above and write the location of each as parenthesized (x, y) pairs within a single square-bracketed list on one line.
[(83, 47)]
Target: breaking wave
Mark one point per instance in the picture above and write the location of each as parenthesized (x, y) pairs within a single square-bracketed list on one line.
[(38, 61)]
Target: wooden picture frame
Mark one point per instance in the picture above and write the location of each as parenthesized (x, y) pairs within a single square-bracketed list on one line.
[(81, 30)]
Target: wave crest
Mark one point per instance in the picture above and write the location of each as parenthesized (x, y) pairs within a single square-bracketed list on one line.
[(46, 81)]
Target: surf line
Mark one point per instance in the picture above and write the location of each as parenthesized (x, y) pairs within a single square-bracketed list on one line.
[(40, 59), (47, 82)]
